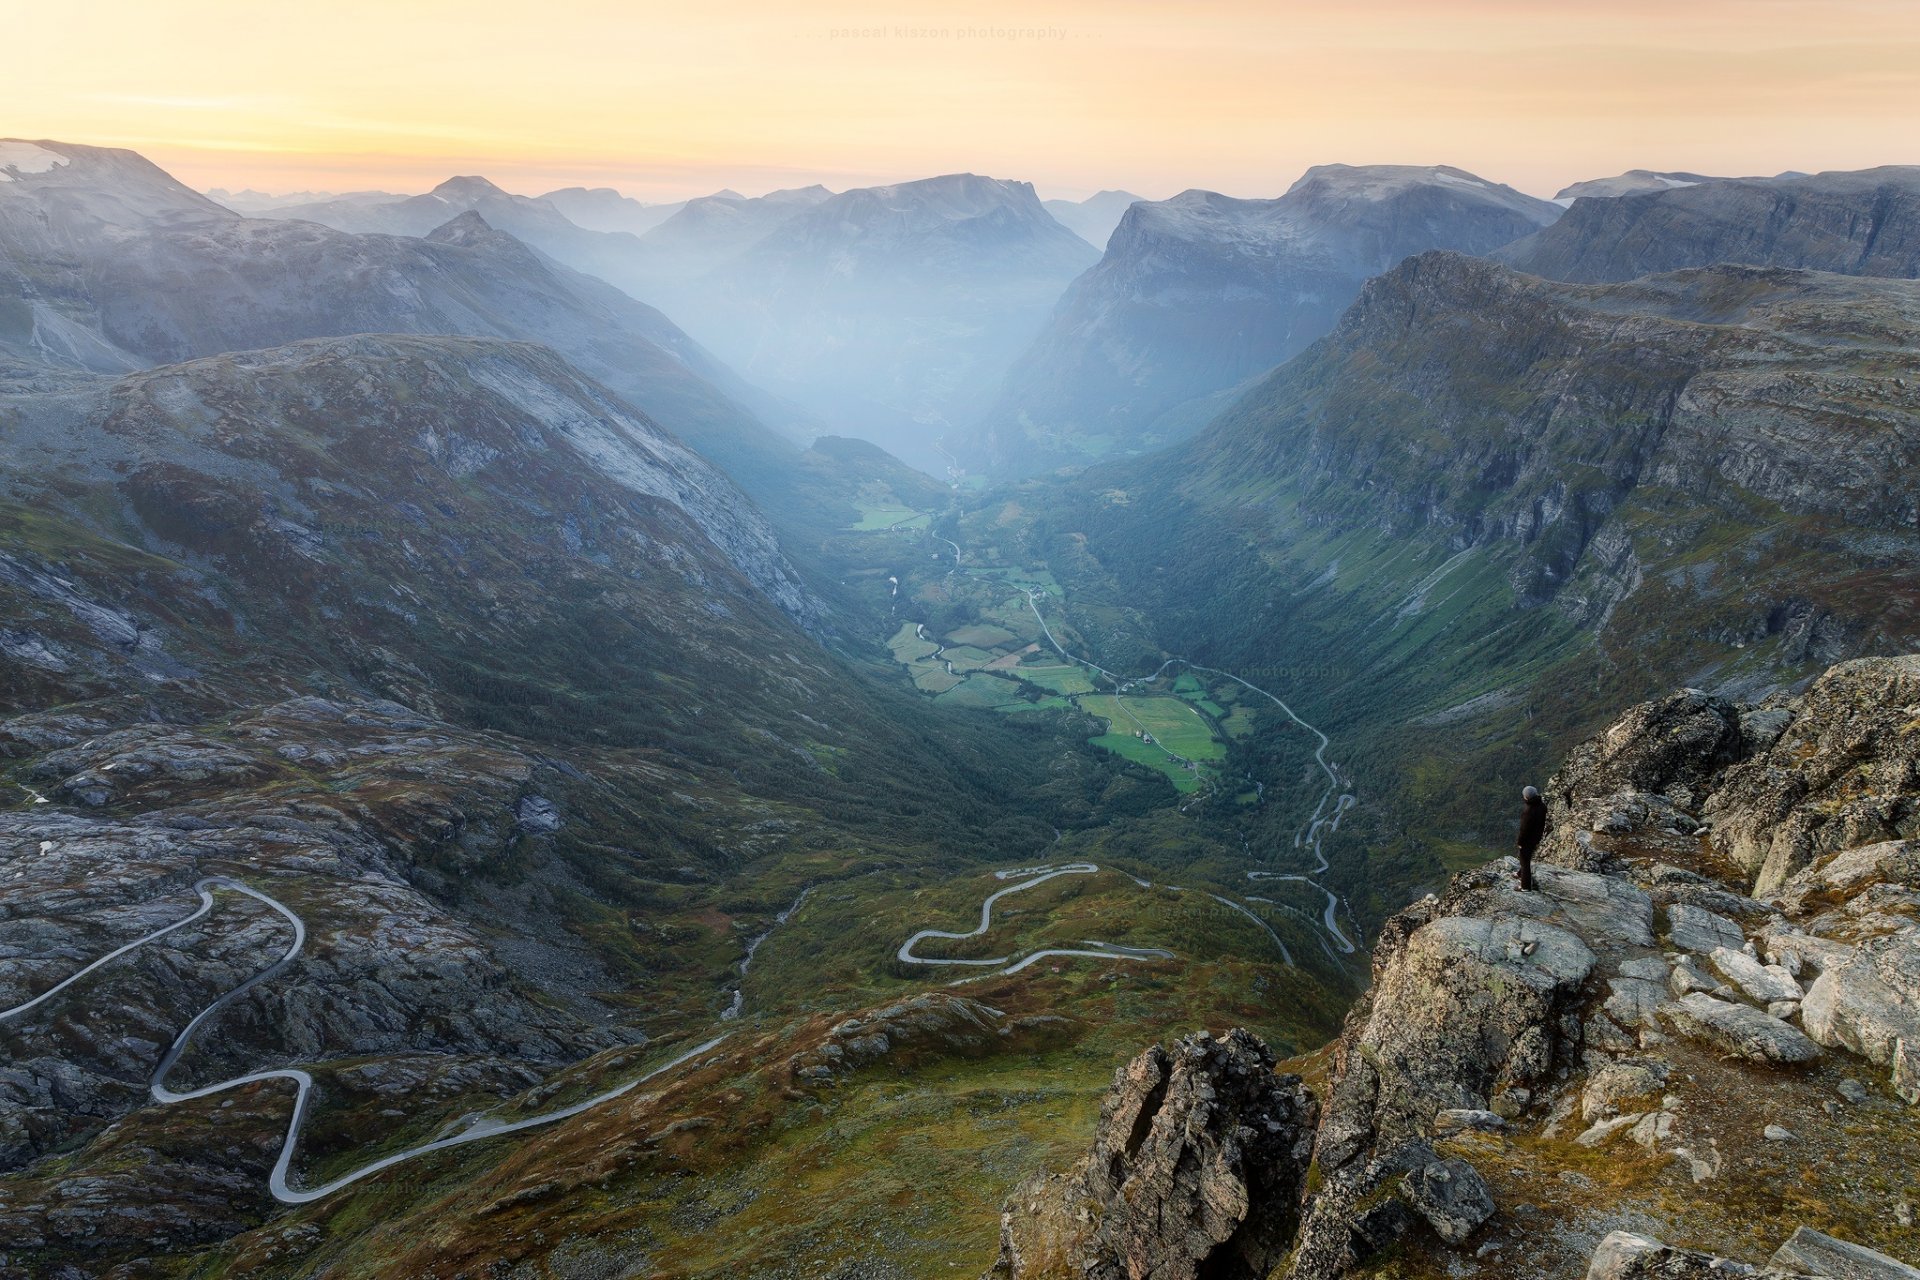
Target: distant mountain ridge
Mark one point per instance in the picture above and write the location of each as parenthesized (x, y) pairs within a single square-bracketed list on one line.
[(1864, 222), (604, 209), (895, 308), (1632, 182), (1198, 293), (1094, 218), (99, 244), (1488, 502)]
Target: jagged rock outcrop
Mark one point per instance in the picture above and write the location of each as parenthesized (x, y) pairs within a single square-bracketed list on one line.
[(1640, 773), (1870, 1004), (1843, 772), (1641, 1008), (1196, 1170)]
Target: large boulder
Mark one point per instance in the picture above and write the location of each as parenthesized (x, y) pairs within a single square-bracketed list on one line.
[(1870, 1005), (1451, 1195), (1624, 1255), (1739, 1029), (1197, 1169), (1821, 1255), (1474, 996), (1661, 753), (1844, 773)]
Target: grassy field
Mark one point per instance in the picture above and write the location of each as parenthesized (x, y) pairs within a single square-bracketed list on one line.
[(982, 691), (907, 645), (1065, 678), (1045, 704), (967, 658), (981, 636), (881, 516), (1173, 724), (1135, 749)]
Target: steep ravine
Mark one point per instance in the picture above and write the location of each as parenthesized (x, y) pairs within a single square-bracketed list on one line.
[(1694, 1050)]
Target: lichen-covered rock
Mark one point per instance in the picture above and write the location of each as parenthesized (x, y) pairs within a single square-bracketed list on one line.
[(1196, 1170), (1472, 996), (1667, 749), (1626, 1256), (1739, 1029), (1870, 1005), (1451, 1195), (1701, 931), (1763, 983), (1821, 1255), (1845, 773)]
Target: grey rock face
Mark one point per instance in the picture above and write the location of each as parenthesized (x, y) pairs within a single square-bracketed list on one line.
[(1821, 1255), (1664, 750), (1701, 931), (1762, 983), (1845, 775), (537, 815), (1871, 1006), (1201, 292), (1461, 1119), (1196, 1170), (1451, 1195), (1626, 1256), (1858, 223), (1469, 1002), (1739, 1029)]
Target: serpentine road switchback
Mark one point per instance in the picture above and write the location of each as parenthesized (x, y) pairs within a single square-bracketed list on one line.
[(1092, 948), (277, 1182), (1320, 824)]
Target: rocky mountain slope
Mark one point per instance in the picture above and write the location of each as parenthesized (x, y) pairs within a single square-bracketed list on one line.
[(1199, 293), (1462, 546), (112, 265), (1690, 1047), (1856, 223), (1632, 182), (897, 308), (612, 256), (500, 696)]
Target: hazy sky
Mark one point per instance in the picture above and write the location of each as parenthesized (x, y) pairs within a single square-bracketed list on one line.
[(666, 100)]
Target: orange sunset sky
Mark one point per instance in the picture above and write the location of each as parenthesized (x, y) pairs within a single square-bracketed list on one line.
[(669, 100)]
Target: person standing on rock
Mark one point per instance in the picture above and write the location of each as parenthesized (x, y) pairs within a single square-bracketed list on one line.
[(1533, 828)]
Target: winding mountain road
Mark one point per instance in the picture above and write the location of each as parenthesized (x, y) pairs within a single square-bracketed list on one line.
[(1320, 824), (1039, 876), (278, 1182), (1093, 948)]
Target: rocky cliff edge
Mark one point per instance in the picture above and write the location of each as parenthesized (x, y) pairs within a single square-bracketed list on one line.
[(1693, 1050)]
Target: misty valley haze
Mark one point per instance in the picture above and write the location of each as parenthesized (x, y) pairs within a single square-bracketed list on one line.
[(624, 655)]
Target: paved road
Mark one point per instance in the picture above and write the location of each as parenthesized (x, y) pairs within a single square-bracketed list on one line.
[(1320, 824), (278, 1182), (1036, 876)]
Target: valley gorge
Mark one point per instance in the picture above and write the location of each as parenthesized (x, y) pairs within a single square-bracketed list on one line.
[(990, 751)]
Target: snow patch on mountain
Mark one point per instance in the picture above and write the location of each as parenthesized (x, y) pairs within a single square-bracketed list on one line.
[(26, 157)]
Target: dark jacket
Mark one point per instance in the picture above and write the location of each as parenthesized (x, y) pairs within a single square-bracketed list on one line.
[(1533, 824)]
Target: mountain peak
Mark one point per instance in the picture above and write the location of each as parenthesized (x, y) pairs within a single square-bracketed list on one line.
[(466, 228), (95, 186), (466, 189)]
